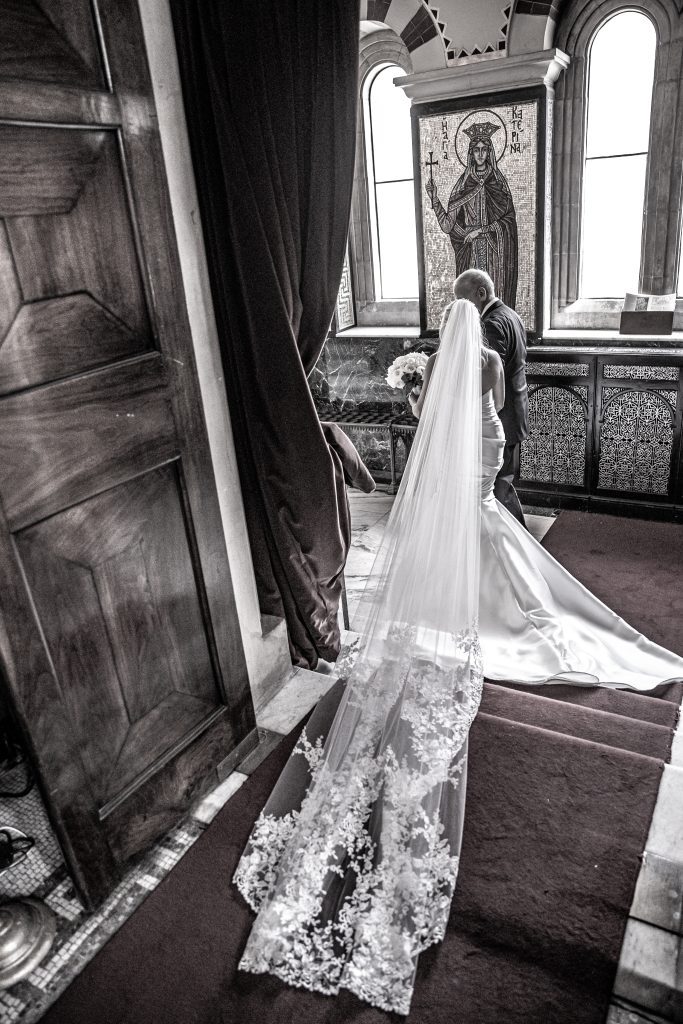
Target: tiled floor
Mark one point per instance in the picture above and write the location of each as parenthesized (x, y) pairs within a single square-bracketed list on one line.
[(649, 988)]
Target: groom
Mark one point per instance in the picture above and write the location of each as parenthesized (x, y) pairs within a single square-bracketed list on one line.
[(504, 332)]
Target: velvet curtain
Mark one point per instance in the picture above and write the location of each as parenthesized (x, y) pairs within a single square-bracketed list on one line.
[(270, 92)]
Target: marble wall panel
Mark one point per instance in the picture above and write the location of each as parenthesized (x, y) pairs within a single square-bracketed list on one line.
[(350, 375)]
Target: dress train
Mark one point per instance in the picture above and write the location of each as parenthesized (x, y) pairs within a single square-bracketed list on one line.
[(537, 624)]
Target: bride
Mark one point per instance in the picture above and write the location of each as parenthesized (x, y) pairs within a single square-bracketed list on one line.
[(537, 624), (352, 864)]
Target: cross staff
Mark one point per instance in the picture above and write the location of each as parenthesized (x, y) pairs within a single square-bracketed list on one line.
[(431, 164)]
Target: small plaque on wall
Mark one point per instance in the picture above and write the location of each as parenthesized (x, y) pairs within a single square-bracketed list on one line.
[(479, 187)]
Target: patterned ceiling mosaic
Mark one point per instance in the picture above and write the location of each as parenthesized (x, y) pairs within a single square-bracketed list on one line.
[(465, 30), (492, 40), (479, 203)]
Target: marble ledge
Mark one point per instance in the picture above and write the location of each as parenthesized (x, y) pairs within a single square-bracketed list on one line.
[(300, 693), (378, 332), (649, 975), (469, 77), (623, 1012), (209, 806), (607, 343), (665, 838), (677, 746), (658, 896)]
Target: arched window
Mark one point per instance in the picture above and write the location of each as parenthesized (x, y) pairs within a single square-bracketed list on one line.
[(389, 163), (620, 81)]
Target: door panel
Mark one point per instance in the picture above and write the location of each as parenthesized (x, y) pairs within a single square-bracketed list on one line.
[(78, 237), (44, 170), (123, 624), (52, 40), (62, 442), (119, 635), (54, 338)]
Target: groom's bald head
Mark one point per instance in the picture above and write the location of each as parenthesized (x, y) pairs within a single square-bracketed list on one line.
[(475, 285)]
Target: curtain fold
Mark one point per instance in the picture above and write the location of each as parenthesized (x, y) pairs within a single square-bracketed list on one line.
[(270, 94)]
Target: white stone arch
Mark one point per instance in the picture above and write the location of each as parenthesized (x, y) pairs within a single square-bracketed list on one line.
[(417, 25), (532, 26)]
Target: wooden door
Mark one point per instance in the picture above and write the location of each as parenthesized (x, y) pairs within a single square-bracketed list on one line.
[(119, 637)]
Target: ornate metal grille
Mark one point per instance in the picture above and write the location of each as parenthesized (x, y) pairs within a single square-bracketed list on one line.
[(373, 444), (636, 436), (557, 369), (640, 372), (346, 315), (555, 451)]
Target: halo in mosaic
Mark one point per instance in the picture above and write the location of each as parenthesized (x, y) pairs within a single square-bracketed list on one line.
[(640, 372), (640, 423), (480, 166), (557, 369), (555, 450)]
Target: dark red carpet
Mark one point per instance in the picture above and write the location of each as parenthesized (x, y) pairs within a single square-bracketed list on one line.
[(560, 797), (633, 566)]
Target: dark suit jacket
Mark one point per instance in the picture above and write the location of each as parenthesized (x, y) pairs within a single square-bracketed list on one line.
[(504, 332)]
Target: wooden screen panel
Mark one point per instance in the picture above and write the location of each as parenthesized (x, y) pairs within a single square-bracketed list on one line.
[(64, 442), (50, 41), (114, 587)]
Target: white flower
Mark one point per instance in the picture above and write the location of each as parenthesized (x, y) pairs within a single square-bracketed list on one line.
[(406, 366)]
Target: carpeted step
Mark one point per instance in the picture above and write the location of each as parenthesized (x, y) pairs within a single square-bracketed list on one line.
[(571, 719), (553, 835), (617, 702), (550, 851), (634, 567)]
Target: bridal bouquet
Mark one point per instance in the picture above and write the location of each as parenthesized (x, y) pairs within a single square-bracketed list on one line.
[(407, 371)]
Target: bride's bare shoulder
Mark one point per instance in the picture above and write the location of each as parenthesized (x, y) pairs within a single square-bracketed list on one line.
[(492, 358), (492, 368)]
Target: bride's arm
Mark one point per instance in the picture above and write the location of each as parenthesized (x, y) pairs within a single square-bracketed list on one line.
[(499, 385), (417, 403)]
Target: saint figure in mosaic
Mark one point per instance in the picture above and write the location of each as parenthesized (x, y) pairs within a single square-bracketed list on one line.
[(480, 219)]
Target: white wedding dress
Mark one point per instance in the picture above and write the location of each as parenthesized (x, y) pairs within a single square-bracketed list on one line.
[(351, 865), (537, 624)]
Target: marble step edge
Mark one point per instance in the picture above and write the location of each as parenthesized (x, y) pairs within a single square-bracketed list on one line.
[(650, 974)]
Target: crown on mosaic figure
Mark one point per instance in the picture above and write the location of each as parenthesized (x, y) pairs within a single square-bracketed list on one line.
[(481, 131)]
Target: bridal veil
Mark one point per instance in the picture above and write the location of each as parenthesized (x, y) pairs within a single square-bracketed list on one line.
[(355, 879)]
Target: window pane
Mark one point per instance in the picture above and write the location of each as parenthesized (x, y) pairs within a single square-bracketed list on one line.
[(622, 60), (397, 243), (391, 138), (613, 192)]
